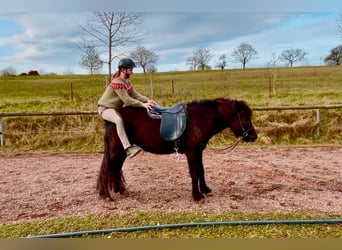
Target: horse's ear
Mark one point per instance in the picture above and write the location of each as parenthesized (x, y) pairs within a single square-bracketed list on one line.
[(243, 106), (237, 104), (219, 102)]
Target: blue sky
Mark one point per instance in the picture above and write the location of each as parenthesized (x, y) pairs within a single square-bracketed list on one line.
[(46, 40)]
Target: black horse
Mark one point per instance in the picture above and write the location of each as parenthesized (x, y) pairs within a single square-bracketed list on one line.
[(205, 118)]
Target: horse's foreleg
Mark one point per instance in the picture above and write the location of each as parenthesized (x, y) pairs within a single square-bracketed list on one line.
[(203, 186), (194, 168)]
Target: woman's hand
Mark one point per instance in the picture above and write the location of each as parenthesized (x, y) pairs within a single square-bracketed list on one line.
[(151, 102), (147, 105)]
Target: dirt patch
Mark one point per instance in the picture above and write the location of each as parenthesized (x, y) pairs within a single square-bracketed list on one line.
[(248, 179)]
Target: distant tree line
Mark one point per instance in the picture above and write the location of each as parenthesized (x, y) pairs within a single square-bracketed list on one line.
[(11, 71), (114, 24), (242, 54)]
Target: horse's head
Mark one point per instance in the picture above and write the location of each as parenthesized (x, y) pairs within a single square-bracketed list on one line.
[(241, 122)]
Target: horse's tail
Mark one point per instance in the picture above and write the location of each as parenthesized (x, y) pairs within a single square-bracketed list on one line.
[(110, 179)]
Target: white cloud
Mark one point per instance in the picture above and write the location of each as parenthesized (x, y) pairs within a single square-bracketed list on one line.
[(48, 40), (189, 29)]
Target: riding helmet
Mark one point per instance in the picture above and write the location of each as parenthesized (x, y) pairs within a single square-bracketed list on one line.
[(126, 63)]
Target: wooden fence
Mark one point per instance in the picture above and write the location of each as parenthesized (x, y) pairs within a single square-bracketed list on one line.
[(63, 113)]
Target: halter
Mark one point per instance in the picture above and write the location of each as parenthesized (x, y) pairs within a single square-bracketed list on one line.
[(244, 131)]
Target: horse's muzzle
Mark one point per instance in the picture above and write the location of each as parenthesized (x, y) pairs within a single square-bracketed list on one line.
[(250, 136)]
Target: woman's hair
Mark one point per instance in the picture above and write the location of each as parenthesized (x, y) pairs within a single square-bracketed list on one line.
[(116, 74)]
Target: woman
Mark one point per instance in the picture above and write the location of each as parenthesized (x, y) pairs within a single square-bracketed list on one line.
[(120, 93)]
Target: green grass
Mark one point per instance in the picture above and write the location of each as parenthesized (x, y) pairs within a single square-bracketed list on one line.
[(49, 93), (139, 219), (295, 86)]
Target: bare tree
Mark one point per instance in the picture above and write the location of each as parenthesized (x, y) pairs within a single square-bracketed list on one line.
[(9, 71), (272, 74), (192, 61), (91, 59), (291, 56), (111, 31), (339, 25), (144, 57), (243, 54), (335, 56), (200, 58), (222, 62), (151, 69)]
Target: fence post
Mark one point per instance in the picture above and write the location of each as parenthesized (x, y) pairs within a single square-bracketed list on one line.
[(71, 92), (173, 88), (318, 120), (1, 134)]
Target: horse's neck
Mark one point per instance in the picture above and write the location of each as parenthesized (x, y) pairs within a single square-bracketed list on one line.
[(221, 115), (209, 120)]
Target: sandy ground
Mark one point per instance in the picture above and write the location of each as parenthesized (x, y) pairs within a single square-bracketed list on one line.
[(248, 179)]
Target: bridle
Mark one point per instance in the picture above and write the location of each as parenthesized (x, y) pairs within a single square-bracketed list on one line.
[(238, 140), (244, 131)]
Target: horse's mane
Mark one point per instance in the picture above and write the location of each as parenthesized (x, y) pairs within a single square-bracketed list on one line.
[(240, 104), (202, 102)]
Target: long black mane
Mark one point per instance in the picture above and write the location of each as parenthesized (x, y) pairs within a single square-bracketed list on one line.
[(213, 103)]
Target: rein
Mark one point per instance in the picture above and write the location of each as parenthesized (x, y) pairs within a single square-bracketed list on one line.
[(230, 147)]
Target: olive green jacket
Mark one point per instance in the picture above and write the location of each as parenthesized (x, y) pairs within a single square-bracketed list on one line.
[(120, 93)]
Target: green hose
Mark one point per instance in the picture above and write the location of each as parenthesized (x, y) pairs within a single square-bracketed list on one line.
[(186, 225)]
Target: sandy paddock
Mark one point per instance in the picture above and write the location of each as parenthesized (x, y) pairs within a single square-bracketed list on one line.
[(248, 179)]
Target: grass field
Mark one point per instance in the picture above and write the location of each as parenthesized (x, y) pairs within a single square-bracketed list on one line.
[(294, 87), (140, 219)]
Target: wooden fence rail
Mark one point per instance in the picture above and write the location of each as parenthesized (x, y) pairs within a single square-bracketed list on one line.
[(64, 113), (335, 106)]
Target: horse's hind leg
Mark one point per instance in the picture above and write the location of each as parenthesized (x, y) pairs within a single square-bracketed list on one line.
[(116, 183), (101, 185), (110, 179)]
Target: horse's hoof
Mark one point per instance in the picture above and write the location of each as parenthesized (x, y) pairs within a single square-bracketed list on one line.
[(206, 190), (210, 194), (125, 193), (198, 197)]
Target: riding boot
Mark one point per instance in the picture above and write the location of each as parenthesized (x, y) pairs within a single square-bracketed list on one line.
[(132, 151)]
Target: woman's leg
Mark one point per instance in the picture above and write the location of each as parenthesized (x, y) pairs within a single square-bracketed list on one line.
[(113, 116)]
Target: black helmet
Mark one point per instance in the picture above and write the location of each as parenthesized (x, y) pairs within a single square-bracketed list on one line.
[(126, 63)]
